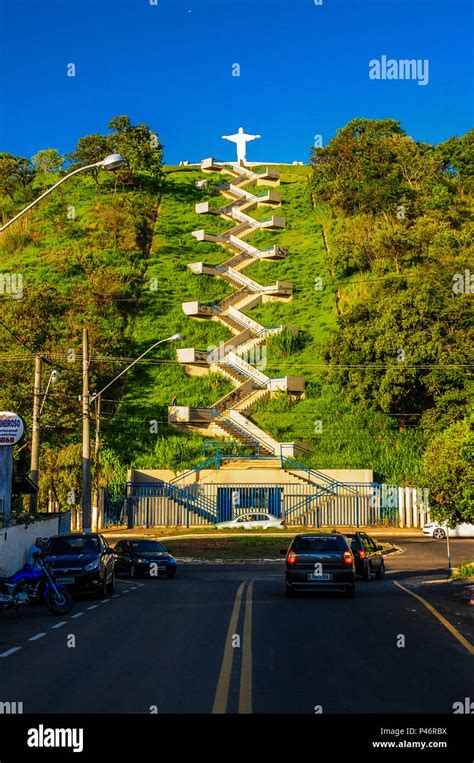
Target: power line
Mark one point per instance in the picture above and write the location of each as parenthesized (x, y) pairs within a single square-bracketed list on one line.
[(35, 353)]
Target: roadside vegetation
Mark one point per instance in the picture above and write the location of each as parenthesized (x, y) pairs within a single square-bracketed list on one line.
[(464, 572)]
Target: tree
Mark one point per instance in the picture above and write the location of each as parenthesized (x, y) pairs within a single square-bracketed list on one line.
[(358, 170), (139, 146), (48, 160), (15, 174), (403, 348), (448, 473), (89, 150)]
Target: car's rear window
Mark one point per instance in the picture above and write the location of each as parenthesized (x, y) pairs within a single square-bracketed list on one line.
[(318, 545), (352, 540), (147, 546)]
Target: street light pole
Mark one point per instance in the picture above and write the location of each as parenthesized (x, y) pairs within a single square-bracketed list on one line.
[(38, 406), (86, 403), (111, 162)]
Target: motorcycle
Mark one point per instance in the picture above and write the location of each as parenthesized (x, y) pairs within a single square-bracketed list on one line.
[(31, 584)]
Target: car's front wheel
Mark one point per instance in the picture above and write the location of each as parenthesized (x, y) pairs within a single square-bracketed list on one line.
[(111, 585), (439, 534)]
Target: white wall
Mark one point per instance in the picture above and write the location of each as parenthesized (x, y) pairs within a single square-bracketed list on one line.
[(16, 540)]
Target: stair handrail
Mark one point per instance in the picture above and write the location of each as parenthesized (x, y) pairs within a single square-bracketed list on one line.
[(251, 437), (295, 465)]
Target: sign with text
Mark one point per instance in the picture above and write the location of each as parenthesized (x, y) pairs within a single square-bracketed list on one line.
[(11, 428)]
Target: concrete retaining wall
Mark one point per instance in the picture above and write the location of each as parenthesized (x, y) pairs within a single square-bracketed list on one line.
[(17, 539)]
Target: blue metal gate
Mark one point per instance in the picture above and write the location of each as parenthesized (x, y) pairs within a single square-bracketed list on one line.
[(233, 500)]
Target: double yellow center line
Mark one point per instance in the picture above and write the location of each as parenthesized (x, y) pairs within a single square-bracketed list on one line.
[(223, 685)]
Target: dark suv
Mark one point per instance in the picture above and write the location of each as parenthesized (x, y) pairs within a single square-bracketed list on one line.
[(319, 561), (368, 557)]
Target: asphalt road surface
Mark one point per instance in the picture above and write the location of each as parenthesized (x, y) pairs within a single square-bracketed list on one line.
[(226, 639)]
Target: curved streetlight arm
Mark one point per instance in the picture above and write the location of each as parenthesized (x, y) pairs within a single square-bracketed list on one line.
[(66, 177), (52, 378), (168, 339)]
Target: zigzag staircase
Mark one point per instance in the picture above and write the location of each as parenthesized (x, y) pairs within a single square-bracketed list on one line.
[(238, 358)]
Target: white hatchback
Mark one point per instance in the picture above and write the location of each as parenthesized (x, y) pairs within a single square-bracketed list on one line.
[(438, 531), (254, 520)]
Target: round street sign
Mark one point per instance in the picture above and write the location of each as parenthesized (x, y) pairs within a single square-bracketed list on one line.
[(11, 428)]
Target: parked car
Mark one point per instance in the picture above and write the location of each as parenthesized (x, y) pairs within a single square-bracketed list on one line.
[(258, 520), (438, 530), (322, 562), (368, 558), (142, 556), (81, 562)]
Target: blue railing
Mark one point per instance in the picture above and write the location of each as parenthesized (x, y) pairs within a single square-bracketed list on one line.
[(300, 503), (148, 506), (291, 463)]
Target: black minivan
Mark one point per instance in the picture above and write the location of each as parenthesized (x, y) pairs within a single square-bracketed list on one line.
[(319, 562)]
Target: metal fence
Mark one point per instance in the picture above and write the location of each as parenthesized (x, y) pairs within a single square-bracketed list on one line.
[(313, 504)]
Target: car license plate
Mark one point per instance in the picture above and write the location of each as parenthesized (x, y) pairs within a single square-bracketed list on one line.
[(323, 576), (65, 581)]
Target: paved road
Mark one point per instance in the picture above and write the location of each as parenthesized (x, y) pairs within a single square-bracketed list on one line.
[(172, 644)]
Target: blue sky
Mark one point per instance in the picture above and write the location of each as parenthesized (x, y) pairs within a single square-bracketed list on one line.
[(304, 70)]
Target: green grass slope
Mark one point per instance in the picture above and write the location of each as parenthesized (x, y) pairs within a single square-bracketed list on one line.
[(339, 436)]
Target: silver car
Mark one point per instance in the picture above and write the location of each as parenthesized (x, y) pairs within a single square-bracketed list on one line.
[(254, 520)]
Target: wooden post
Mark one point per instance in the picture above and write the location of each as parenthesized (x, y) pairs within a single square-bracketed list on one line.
[(86, 444)]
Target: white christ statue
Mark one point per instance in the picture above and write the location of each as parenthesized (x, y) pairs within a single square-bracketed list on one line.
[(241, 138)]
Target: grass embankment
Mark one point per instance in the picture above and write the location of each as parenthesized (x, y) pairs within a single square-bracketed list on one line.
[(216, 544), (464, 572), (340, 436), (228, 549)]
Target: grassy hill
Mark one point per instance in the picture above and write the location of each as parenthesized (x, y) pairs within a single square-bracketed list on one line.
[(112, 255), (340, 436)]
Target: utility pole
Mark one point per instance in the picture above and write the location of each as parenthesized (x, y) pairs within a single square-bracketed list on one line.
[(35, 436), (86, 443), (96, 462)]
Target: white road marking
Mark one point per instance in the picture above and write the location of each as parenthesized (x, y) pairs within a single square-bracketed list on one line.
[(59, 625), (78, 614), (94, 606), (127, 590), (10, 651), (37, 636), (104, 601), (116, 595)]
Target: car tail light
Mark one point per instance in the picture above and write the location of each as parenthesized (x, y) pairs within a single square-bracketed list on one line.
[(291, 558), (348, 558), (283, 522), (361, 553)]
